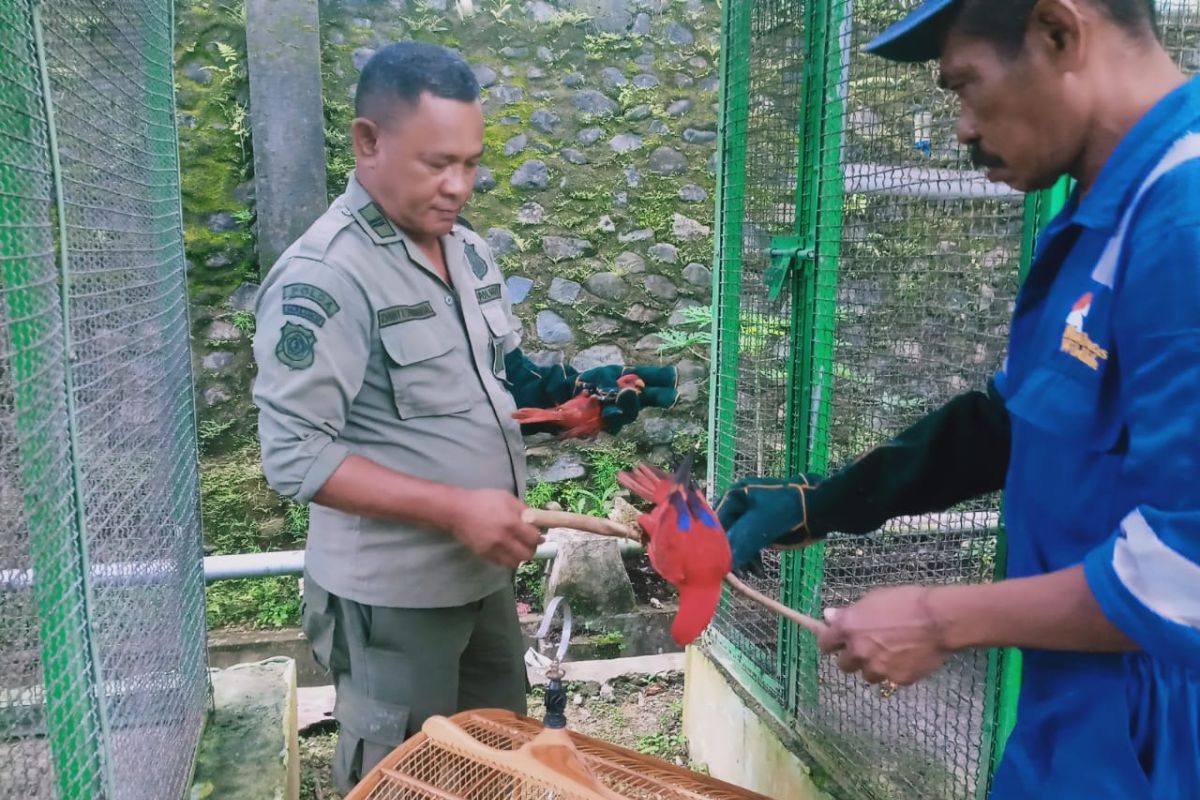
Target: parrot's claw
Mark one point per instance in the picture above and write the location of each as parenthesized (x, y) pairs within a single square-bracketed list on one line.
[(754, 568)]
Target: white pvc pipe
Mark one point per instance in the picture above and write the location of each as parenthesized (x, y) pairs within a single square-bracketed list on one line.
[(927, 183), (291, 562)]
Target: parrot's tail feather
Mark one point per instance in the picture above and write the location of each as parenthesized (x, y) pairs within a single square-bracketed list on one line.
[(641, 481), (527, 415), (697, 607)]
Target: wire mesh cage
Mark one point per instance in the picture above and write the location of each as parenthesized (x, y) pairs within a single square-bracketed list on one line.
[(102, 638), (865, 274)]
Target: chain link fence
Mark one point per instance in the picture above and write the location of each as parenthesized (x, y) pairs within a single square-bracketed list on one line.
[(102, 639), (865, 275)]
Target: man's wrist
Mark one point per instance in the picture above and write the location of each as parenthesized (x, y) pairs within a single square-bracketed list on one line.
[(952, 614), (448, 505)]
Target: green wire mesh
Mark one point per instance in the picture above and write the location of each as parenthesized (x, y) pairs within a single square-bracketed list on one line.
[(927, 275), (764, 56), (36, 495), (905, 304), (102, 638)]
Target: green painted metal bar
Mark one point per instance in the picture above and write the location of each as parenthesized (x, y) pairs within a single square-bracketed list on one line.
[(91, 673), (730, 206), (74, 708), (801, 572), (1029, 229), (1004, 665), (728, 259), (814, 310), (1002, 690)]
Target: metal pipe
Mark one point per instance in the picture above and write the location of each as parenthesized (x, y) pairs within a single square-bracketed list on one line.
[(291, 562), (253, 565), (929, 183), (223, 568)]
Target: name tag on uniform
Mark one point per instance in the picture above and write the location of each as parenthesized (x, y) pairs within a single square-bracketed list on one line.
[(488, 294), (394, 315)]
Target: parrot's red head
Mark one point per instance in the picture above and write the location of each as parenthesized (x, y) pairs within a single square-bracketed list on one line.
[(688, 546)]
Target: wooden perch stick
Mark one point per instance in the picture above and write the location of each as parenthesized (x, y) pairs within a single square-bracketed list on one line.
[(545, 520), (606, 527)]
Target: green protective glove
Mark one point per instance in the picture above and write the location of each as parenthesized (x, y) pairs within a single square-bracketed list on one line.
[(622, 405), (757, 513)]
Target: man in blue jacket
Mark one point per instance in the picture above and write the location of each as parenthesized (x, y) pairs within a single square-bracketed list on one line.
[(1092, 427)]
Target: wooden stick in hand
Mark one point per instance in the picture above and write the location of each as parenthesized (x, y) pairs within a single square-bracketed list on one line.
[(606, 527), (540, 518)]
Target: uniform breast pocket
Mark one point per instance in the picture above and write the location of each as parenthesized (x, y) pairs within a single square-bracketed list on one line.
[(428, 377), (501, 330), (1081, 406)]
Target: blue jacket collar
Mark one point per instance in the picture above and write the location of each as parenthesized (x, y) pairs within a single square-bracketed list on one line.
[(1135, 157)]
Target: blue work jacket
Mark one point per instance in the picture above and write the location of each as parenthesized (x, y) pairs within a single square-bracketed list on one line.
[(1102, 384)]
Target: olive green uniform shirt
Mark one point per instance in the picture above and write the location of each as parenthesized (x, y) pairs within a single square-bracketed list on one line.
[(362, 349)]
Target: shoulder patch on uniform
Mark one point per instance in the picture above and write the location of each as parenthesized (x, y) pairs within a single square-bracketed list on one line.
[(306, 291), (296, 346), (488, 294), (293, 310), (478, 265), (394, 315), (373, 216)]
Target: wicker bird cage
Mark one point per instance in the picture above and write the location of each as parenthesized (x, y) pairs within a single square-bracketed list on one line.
[(498, 755)]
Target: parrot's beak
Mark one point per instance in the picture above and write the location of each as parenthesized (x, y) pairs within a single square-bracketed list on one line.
[(697, 607)]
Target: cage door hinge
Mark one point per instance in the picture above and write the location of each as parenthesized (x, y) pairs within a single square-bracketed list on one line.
[(787, 253)]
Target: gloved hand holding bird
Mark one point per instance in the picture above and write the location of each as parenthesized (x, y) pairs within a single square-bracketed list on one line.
[(686, 545), (600, 399)]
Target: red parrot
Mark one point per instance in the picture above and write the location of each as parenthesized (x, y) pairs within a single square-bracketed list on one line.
[(580, 415), (687, 547)]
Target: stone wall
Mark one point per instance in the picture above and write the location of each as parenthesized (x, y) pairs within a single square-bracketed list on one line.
[(596, 192)]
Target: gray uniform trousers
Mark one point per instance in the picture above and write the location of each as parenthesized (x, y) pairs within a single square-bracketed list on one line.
[(393, 668)]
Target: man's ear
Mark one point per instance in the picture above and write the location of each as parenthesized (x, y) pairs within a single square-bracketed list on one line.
[(1059, 30), (364, 137)]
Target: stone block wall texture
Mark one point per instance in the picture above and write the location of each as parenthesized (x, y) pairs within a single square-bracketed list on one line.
[(596, 191)]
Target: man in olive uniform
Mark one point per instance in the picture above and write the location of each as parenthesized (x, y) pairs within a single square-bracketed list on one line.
[(389, 368)]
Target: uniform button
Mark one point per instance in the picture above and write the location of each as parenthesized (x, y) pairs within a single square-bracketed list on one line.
[(449, 300), (346, 212)]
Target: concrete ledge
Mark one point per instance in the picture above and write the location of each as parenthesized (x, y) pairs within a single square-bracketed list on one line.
[(734, 736), (249, 749)]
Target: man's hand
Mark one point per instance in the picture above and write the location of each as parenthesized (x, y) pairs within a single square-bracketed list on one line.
[(890, 634), (488, 521), (759, 512)]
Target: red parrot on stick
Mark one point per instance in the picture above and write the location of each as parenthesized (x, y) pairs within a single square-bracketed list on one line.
[(580, 417), (687, 545)]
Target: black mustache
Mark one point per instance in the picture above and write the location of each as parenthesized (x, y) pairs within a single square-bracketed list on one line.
[(981, 158)]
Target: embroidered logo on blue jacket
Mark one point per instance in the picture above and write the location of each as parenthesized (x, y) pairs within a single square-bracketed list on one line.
[(1075, 341)]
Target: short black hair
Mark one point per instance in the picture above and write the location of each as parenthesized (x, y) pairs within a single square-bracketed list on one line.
[(1004, 23), (400, 73)]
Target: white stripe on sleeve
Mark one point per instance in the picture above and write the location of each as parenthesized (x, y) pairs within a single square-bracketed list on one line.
[(1161, 579)]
